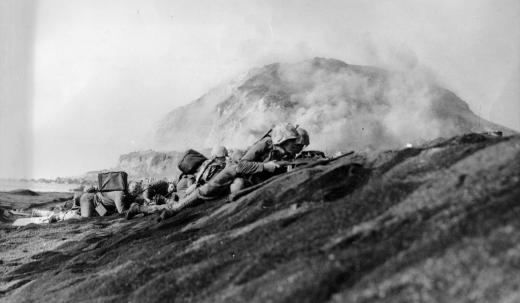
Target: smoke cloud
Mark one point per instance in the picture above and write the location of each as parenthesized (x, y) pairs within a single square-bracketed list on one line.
[(342, 106)]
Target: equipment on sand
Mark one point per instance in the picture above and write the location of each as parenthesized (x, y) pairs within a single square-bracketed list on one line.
[(30, 220), (101, 209)]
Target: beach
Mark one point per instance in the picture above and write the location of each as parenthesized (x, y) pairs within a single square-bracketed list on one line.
[(25, 198), (19, 244), (9, 184)]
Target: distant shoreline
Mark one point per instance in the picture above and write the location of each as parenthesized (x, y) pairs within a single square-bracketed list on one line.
[(59, 180), (36, 186)]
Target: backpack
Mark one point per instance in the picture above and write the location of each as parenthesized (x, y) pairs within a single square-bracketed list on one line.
[(191, 161), (113, 181)]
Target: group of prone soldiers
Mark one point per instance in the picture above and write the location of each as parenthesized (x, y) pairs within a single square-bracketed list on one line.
[(259, 162)]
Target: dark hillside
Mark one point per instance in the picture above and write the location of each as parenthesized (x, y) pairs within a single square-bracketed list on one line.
[(436, 223)]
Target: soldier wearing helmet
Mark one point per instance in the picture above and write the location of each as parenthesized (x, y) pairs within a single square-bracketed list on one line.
[(219, 152), (211, 167), (257, 164)]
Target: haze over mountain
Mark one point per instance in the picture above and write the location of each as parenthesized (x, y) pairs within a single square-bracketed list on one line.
[(343, 106)]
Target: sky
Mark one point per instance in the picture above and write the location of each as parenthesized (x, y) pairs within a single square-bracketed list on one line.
[(102, 73)]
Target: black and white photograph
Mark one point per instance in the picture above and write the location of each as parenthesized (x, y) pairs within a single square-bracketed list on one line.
[(260, 151)]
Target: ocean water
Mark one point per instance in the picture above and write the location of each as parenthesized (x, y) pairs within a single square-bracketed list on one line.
[(8, 185)]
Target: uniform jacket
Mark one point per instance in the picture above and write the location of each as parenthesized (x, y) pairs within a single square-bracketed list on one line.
[(253, 160)]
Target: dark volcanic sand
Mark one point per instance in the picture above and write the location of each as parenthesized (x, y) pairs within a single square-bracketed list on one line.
[(17, 245), (437, 223), (24, 198)]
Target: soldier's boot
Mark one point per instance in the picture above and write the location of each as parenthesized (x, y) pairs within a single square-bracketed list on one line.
[(132, 211), (165, 214), (176, 207), (136, 209)]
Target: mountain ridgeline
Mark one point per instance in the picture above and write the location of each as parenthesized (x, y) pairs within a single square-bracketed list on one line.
[(344, 107)]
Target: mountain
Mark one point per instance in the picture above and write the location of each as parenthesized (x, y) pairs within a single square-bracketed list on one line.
[(150, 164), (433, 223), (342, 106)]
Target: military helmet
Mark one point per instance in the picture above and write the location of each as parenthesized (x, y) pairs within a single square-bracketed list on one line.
[(303, 137), (219, 151), (283, 132)]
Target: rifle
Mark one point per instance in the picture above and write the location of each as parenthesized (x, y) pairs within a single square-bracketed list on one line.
[(302, 163), (308, 164)]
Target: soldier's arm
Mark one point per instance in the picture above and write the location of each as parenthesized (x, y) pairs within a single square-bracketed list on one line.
[(249, 168), (249, 163), (255, 152), (245, 168)]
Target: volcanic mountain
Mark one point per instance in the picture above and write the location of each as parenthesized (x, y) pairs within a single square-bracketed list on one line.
[(343, 106)]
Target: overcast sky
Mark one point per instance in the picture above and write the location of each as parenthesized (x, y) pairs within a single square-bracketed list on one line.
[(105, 71)]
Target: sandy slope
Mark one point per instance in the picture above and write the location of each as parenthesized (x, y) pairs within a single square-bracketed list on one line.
[(17, 250), (437, 223), (20, 199)]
